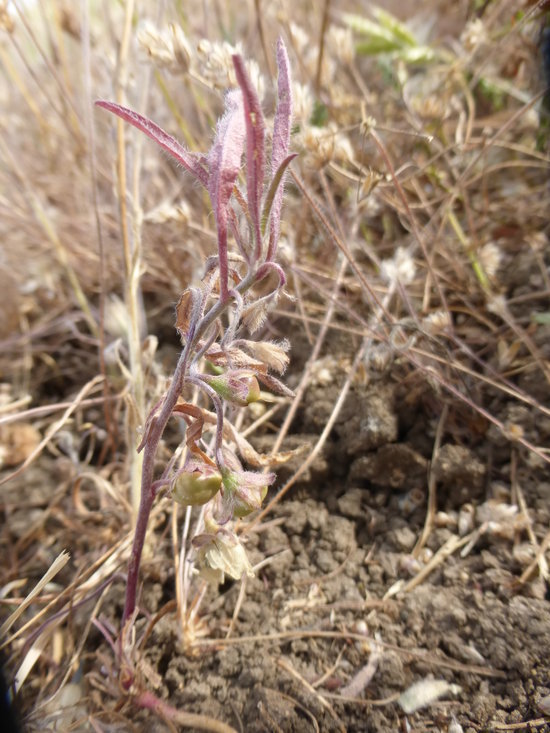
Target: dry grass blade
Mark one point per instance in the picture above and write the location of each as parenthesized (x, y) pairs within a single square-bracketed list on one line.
[(52, 571), (56, 427)]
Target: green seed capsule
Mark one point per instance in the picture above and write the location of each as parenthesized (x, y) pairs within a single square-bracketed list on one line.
[(240, 390), (245, 505), (194, 488)]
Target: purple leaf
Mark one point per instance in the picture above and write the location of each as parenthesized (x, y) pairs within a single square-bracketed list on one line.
[(224, 162), (190, 161), (255, 133), (274, 187), (281, 140)]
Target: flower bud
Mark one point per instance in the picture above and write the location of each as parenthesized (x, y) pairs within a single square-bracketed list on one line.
[(244, 491), (238, 387)]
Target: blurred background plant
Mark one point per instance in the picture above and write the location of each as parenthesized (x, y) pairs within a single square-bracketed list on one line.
[(415, 242)]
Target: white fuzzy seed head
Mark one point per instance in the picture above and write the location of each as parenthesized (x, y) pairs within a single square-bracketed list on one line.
[(490, 257), (400, 268), (474, 34)]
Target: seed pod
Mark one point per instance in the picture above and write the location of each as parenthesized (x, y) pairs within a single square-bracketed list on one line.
[(244, 491), (239, 388), (195, 488)]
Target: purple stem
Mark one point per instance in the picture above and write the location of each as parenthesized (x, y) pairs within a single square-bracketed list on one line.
[(201, 384), (152, 442), (148, 701), (147, 477)]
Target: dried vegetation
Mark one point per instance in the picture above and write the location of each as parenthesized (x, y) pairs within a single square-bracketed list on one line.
[(415, 242)]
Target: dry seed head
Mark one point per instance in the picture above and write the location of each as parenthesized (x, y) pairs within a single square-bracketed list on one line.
[(216, 62), (400, 267), (302, 98), (490, 257), (379, 357), (169, 212), (500, 519), (168, 49), (117, 323), (430, 96), (340, 44), (216, 65), (474, 34), (307, 50), (183, 50), (300, 38), (326, 144), (497, 304), (436, 322)]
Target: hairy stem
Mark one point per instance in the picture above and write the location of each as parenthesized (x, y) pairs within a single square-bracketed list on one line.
[(153, 438)]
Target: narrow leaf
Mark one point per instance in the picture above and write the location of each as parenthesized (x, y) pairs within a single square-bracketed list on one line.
[(273, 199), (367, 27), (376, 46), (281, 141), (396, 28), (283, 115), (190, 161), (255, 156), (224, 162)]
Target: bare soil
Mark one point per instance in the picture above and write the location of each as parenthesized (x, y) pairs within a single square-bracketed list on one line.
[(315, 612), (341, 585)]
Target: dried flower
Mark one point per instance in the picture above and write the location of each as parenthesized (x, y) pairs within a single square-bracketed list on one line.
[(220, 554), (271, 354)]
